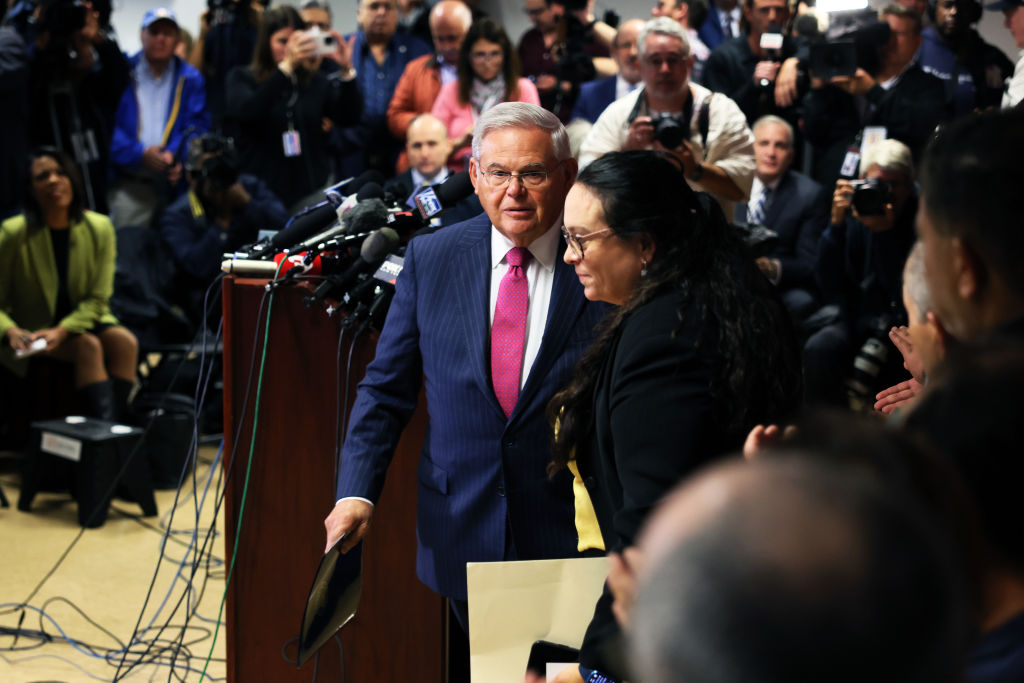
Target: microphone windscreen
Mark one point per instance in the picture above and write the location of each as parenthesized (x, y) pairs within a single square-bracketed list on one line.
[(371, 176), (304, 227), (378, 245), (455, 189), (365, 216), (370, 191)]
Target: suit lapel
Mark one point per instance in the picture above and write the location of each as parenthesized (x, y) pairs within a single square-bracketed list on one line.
[(472, 285), (44, 263)]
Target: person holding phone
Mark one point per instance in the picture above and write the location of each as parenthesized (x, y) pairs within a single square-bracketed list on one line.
[(279, 102)]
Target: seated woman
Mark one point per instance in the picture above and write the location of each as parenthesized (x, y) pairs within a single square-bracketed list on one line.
[(56, 278), (698, 351), (488, 75), (284, 106)]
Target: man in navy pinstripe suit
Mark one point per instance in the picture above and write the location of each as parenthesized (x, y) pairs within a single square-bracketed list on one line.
[(483, 491)]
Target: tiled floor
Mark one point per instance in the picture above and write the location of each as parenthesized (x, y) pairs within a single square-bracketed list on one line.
[(78, 618)]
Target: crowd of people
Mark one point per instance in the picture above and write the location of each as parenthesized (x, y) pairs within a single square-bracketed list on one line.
[(645, 282)]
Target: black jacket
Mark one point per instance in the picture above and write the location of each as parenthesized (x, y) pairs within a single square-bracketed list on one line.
[(263, 112)]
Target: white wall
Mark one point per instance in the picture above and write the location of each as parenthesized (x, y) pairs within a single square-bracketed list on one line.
[(128, 15)]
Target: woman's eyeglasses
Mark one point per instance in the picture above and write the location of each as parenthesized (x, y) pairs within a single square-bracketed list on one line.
[(576, 242)]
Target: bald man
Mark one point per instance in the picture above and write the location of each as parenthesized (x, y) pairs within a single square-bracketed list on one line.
[(596, 95), (796, 568), (423, 77), (427, 147)]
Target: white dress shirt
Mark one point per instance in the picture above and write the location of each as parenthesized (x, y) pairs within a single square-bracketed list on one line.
[(1015, 86)]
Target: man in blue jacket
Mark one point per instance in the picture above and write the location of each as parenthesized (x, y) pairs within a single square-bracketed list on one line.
[(162, 108)]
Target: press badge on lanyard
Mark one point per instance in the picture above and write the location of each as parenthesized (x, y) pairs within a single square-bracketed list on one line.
[(292, 143)]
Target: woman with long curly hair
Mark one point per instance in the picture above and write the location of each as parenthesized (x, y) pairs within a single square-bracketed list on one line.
[(697, 352)]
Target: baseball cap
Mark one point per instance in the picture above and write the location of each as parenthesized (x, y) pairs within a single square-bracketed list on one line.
[(1001, 5), (159, 14)]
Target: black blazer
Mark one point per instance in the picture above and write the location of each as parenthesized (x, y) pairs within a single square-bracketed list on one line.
[(654, 425), (799, 214)]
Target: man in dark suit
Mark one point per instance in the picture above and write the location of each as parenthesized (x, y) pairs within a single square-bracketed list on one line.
[(490, 349), (427, 148), (596, 95), (792, 205), (722, 23)]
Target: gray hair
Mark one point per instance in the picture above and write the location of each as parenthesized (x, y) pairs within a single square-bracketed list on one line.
[(521, 115), (662, 26), (776, 120), (889, 155), (915, 282)]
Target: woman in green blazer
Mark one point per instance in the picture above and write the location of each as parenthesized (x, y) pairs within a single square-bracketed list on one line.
[(56, 277)]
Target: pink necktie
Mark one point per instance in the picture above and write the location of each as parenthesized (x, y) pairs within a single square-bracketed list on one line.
[(508, 333)]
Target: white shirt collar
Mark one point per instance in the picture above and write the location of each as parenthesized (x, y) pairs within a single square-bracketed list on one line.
[(760, 184), (623, 87), (544, 249), (418, 178)]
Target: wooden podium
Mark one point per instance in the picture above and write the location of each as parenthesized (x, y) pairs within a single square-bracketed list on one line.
[(399, 631)]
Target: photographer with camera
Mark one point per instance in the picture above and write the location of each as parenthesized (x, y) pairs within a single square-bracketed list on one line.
[(565, 48), (222, 210), (707, 133), (164, 105), (280, 102), (886, 89), (859, 268), (77, 77)]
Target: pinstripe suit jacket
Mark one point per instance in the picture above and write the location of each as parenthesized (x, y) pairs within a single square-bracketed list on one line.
[(481, 477)]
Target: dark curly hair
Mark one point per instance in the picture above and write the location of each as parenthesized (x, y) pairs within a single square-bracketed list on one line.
[(744, 328), (491, 31), (34, 215)]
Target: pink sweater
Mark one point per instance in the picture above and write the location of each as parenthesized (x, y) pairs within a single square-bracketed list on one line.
[(459, 117)]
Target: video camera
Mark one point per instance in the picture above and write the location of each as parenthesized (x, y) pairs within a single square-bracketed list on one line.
[(211, 159), (853, 40)]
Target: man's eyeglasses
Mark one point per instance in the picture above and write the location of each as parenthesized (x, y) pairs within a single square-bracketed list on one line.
[(531, 179), (673, 61), (576, 242)]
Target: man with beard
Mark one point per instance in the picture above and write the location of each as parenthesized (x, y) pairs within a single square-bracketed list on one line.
[(974, 71)]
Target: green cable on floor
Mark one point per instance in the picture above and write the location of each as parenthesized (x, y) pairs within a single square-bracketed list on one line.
[(248, 470)]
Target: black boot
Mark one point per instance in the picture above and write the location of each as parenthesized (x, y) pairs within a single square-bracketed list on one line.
[(97, 400), (122, 399)]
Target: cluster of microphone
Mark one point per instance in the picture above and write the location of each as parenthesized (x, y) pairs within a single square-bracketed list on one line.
[(353, 242)]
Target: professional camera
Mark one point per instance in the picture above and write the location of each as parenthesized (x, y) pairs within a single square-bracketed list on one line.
[(211, 159), (862, 382), (758, 239), (870, 196), (853, 40), (670, 130)]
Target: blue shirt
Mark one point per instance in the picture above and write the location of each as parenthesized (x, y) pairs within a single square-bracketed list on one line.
[(377, 82), (154, 97)]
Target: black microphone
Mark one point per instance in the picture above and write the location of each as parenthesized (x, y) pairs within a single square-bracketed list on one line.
[(771, 48), (375, 249), (436, 198), (365, 203)]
